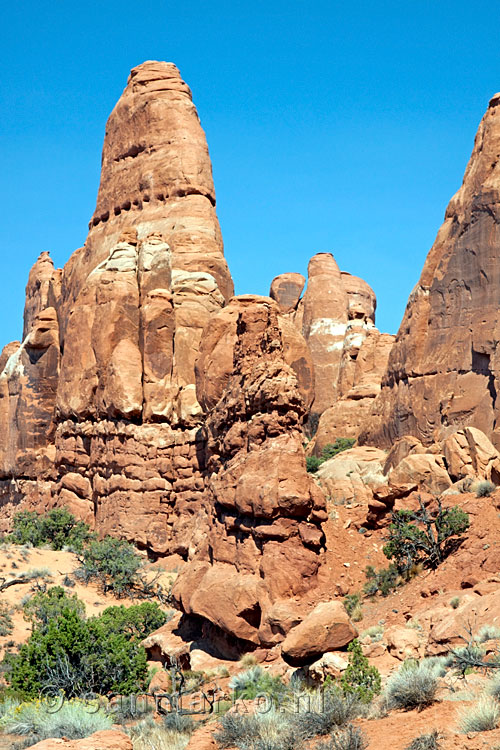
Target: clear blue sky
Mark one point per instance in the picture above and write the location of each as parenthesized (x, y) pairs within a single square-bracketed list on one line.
[(338, 126)]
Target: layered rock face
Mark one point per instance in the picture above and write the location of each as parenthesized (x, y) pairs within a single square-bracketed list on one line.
[(99, 400), (443, 369)]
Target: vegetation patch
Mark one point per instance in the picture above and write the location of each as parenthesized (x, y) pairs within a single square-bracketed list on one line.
[(424, 537), (414, 685), (57, 528), (483, 716), (69, 655), (329, 451)]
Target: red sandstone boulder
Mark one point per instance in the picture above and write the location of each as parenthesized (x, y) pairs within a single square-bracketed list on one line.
[(286, 290), (326, 628), (422, 470)]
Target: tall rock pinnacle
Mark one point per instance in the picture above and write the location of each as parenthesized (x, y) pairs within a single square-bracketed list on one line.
[(443, 371), (157, 177)]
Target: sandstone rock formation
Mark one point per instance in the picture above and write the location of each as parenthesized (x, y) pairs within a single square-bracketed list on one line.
[(99, 400), (336, 316), (161, 409), (265, 538), (443, 369)]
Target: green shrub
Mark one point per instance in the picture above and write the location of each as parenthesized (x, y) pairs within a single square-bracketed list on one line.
[(420, 537), (57, 528), (455, 602), (137, 621), (333, 449), (329, 451), (313, 463), (484, 489), (349, 738), (483, 716), (414, 685), (45, 606), (73, 656), (6, 624), (361, 679), (384, 580), (115, 564), (39, 721), (425, 742)]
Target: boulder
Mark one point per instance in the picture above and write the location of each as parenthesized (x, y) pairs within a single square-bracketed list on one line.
[(326, 628), (403, 642), (422, 470), (350, 475), (286, 290), (469, 453)]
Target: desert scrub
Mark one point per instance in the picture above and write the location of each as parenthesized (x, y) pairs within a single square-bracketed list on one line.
[(484, 488), (375, 633), (483, 716), (414, 685), (336, 710), (360, 679), (425, 742), (39, 720), (149, 735), (488, 633), (455, 602), (349, 738), (256, 682), (130, 707), (273, 730), (493, 688), (424, 537), (382, 581), (247, 661), (6, 624), (353, 607)]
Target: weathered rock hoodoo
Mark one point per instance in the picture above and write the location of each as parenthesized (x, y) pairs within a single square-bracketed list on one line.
[(337, 319), (444, 367)]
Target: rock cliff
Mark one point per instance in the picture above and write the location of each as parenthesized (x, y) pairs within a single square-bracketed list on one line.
[(443, 370)]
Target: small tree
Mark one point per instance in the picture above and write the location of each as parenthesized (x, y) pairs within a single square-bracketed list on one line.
[(114, 562), (46, 606), (423, 537), (361, 678), (58, 528)]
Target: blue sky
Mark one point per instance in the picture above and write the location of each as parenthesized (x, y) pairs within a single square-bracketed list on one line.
[(332, 126)]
